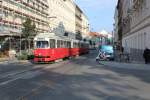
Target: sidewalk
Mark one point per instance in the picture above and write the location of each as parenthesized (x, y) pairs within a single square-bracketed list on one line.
[(3, 60), (14, 61), (126, 65)]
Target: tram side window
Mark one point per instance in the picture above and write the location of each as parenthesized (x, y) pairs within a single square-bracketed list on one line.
[(75, 45), (42, 44), (65, 44), (68, 44), (82, 45), (86, 45), (52, 43), (78, 44), (58, 43), (62, 44)]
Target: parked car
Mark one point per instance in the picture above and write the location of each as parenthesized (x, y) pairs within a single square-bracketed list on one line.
[(106, 52)]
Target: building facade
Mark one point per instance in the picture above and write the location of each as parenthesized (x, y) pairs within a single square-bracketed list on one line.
[(120, 27), (62, 17), (81, 24), (135, 19), (85, 26), (66, 18), (115, 33), (78, 22), (14, 12)]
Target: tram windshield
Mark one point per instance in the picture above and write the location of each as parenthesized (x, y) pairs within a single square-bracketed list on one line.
[(42, 44)]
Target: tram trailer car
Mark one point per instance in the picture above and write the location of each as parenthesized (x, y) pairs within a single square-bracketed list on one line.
[(49, 47)]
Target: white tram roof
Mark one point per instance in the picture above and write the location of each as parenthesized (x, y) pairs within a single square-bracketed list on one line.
[(48, 36)]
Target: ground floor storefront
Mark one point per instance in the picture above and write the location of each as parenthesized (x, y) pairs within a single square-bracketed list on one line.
[(136, 42), (16, 43)]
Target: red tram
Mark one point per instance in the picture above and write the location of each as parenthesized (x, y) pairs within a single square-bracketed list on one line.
[(49, 47)]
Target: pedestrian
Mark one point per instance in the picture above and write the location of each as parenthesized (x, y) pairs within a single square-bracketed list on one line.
[(146, 55)]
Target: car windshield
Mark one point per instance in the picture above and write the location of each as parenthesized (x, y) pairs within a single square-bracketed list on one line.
[(42, 44), (107, 48)]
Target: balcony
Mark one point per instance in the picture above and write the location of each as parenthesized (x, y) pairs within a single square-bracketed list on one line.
[(126, 24), (9, 31), (137, 4)]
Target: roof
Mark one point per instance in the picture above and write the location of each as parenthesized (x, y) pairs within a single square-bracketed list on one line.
[(96, 34), (50, 35)]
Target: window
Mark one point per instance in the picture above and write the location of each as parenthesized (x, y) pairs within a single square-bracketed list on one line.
[(65, 44), (52, 43), (75, 45), (42, 44), (28, 1), (78, 45), (61, 44), (58, 43), (68, 44)]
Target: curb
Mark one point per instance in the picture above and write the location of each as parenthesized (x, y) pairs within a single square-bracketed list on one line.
[(15, 62), (126, 65)]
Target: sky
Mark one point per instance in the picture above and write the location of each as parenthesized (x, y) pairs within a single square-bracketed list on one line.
[(99, 12)]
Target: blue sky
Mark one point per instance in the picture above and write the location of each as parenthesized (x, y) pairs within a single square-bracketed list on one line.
[(99, 12)]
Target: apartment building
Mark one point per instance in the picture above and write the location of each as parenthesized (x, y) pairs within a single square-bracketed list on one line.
[(14, 12), (62, 17), (85, 26), (78, 22), (135, 25), (81, 23), (115, 33)]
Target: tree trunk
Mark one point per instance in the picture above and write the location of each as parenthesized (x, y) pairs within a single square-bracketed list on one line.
[(29, 45), (25, 44)]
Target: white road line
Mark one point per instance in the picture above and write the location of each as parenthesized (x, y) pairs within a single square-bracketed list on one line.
[(26, 75), (7, 74)]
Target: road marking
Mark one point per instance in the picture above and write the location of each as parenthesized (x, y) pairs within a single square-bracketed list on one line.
[(26, 75), (7, 74)]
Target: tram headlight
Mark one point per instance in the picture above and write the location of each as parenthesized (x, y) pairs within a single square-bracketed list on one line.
[(39, 55)]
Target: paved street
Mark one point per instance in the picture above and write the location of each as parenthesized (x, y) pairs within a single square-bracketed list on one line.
[(77, 79)]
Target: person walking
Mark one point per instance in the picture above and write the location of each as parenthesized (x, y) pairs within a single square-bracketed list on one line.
[(146, 55)]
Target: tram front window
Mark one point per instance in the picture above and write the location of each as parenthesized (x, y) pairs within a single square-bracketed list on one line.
[(42, 44)]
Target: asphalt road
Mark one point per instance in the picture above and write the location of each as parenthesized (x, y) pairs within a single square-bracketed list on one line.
[(80, 78)]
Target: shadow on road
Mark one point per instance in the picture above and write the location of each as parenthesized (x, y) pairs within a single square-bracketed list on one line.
[(95, 83), (140, 74), (86, 86)]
